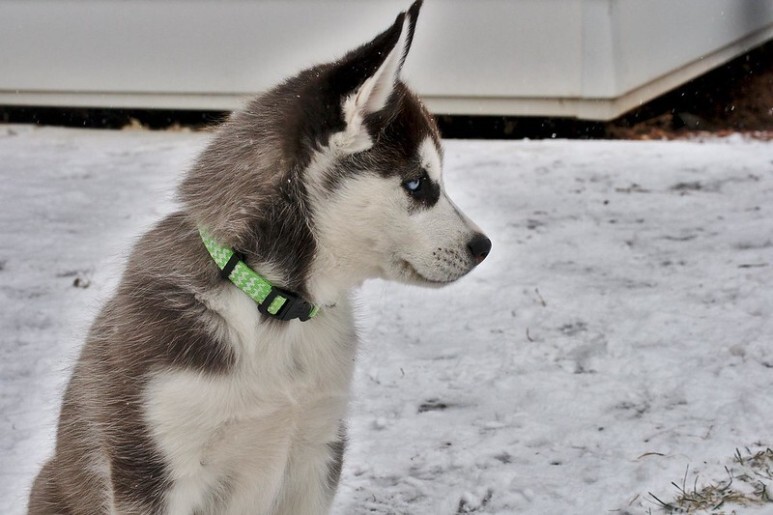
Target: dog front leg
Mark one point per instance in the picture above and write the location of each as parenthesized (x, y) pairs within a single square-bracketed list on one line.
[(312, 478)]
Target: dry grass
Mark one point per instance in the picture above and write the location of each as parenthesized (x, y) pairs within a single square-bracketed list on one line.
[(748, 483)]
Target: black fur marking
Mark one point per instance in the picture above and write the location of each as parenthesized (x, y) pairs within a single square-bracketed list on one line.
[(399, 130), (428, 192), (410, 125), (413, 15), (137, 471), (282, 237), (337, 450)]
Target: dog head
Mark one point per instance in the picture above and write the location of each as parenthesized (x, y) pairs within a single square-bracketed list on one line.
[(339, 171)]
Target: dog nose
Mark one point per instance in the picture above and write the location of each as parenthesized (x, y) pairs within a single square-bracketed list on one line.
[(479, 247)]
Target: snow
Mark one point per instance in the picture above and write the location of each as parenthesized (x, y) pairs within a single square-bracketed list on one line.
[(619, 332)]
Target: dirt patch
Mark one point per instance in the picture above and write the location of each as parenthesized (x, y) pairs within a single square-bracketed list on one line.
[(736, 97)]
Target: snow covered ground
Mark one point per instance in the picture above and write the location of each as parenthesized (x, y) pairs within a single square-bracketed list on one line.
[(620, 331)]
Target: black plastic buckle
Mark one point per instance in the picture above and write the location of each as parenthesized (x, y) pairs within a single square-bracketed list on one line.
[(225, 273), (293, 307)]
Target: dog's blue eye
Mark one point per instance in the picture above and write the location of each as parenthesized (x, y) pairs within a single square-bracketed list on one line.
[(418, 186), (413, 185)]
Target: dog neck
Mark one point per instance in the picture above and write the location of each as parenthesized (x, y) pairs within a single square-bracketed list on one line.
[(272, 301)]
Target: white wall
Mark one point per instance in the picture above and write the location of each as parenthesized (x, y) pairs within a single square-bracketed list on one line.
[(584, 58)]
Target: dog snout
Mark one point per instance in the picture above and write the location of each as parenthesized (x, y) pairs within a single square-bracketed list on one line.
[(479, 246)]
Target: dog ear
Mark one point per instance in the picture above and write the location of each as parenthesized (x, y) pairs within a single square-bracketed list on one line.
[(366, 77)]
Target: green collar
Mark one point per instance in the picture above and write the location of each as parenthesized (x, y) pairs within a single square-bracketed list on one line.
[(272, 301)]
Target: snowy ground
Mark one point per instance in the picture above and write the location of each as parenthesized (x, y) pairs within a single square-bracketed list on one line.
[(620, 331)]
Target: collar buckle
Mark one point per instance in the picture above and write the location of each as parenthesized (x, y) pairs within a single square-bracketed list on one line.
[(292, 308)]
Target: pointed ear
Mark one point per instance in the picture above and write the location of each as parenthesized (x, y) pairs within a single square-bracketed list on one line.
[(374, 92), (367, 78), (413, 15)]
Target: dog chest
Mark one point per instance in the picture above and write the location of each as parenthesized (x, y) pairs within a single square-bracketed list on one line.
[(287, 393)]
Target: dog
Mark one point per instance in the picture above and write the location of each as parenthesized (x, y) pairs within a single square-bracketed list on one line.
[(216, 379)]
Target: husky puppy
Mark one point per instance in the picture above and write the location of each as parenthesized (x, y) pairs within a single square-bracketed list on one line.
[(196, 393)]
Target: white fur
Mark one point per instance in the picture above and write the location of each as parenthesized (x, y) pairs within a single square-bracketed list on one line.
[(355, 137), (430, 159), (264, 428), (367, 228), (353, 234), (98, 464)]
